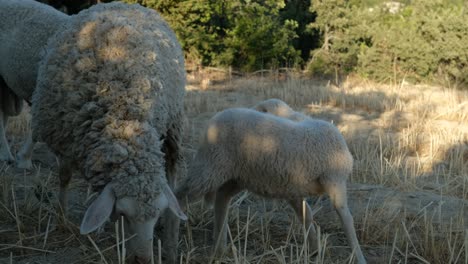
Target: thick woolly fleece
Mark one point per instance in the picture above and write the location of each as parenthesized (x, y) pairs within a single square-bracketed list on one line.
[(109, 88), (268, 155), (279, 108), (25, 27)]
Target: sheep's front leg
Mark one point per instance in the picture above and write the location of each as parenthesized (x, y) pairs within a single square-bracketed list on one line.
[(23, 157), (65, 173), (175, 166), (306, 217), (171, 234), (5, 154), (337, 193), (221, 206)]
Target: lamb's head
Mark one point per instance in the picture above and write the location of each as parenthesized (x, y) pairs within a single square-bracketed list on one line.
[(278, 108), (275, 107), (139, 217)]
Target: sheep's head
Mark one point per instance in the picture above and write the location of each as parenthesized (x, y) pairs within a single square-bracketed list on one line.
[(107, 205), (127, 159)]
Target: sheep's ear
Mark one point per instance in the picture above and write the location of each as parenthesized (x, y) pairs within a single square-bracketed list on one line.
[(172, 202), (98, 212)]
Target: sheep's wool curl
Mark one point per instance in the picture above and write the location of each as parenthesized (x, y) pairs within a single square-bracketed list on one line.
[(108, 89)]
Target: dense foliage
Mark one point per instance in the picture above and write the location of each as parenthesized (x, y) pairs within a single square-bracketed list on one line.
[(413, 40), (248, 35), (424, 40)]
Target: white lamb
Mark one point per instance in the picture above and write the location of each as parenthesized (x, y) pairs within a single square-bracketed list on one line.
[(109, 103), (273, 157), (25, 27)]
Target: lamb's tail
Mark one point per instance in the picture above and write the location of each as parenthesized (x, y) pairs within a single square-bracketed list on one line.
[(193, 187), (209, 199)]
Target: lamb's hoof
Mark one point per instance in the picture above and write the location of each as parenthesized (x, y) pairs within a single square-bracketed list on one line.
[(170, 259), (313, 252), (219, 252), (23, 163), (169, 255), (312, 248)]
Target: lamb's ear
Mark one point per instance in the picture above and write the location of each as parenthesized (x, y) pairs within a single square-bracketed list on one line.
[(98, 212), (172, 202)]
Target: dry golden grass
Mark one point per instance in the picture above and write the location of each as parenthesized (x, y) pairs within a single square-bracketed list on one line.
[(407, 191)]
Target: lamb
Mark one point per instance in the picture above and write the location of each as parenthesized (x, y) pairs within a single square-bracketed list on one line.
[(279, 108), (273, 157), (110, 92), (25, 27)]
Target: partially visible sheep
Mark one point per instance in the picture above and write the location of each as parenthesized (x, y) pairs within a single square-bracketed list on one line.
[(273, 157), (25, 27), (109, 103), (279, 108)]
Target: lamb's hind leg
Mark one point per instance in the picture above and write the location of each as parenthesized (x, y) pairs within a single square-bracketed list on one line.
[(337, 193), (222, 200), (306, 217)]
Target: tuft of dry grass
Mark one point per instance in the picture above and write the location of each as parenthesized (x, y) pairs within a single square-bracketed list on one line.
[(407, 191)]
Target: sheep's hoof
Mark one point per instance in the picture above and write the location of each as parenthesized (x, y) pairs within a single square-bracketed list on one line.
[(62, 223), (23, 163)]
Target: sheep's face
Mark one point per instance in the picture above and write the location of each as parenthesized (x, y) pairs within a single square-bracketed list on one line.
[(141, 245), (140, 229)]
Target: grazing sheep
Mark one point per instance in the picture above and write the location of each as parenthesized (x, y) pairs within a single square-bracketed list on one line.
[(279, 108), (25, 27), (109, 103), (273, 157)]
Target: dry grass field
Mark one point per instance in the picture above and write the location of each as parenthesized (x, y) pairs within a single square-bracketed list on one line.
[(407, 192)]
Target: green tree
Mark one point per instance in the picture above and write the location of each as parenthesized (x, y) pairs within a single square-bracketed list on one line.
[(307, 40), (341, 31), (422, 41), (425, 41), (257, 38), (245, 34)]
